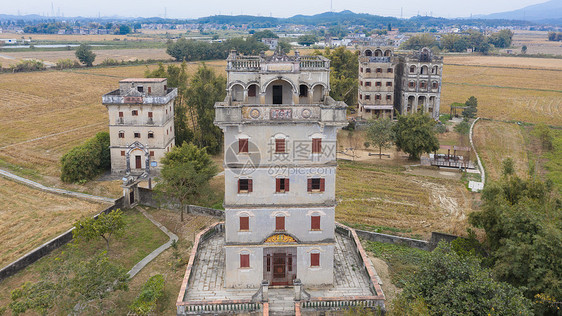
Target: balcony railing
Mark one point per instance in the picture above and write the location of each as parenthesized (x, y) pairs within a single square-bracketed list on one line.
[(114, 97)]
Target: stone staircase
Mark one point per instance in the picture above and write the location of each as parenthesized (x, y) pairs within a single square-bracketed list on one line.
[(281, 301)]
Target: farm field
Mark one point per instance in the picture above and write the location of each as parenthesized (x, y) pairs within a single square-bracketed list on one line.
[(537, 43), (50, 58), (387, 199), (47, 113), (496, 141), (30, 217), (506, 92)]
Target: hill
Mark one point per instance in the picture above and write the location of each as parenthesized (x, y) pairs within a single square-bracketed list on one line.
[(546, 12)]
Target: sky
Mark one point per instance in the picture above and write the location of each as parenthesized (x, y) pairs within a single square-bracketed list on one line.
[(284, 8)]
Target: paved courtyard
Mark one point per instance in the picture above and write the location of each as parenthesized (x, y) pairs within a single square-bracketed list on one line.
[(207, 282)]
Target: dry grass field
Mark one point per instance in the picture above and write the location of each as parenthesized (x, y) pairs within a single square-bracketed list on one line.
[(403, 204), (504, 88), (45, 114), (536, 42), (496, 141), (30, 217), (50, 58)]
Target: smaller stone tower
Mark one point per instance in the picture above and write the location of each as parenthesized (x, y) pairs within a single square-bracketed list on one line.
[(141, 124)]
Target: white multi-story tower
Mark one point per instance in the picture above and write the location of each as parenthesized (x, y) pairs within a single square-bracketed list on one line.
[(280, 127), (141, 123)]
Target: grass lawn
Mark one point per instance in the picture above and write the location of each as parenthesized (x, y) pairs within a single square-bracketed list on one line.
[(140, 239)]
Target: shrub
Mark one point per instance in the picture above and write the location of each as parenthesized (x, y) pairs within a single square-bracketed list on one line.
[(28, 65), (440, 128), (67, 63), (110, 62), (150, 293), (462, 128), (84, 162)]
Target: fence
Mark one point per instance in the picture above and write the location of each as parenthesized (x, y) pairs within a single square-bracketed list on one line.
[(47, 247)]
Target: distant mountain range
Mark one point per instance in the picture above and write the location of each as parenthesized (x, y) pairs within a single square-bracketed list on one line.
[(549, 12)]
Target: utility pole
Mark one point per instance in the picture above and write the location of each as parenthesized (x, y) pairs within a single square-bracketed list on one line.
[(401, 13)]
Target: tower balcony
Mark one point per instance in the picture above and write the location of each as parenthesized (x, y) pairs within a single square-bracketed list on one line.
[(115, 97), (333, 113)]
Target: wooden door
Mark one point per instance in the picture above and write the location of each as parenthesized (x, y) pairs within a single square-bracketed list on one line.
[(277, 94), (138, 160)]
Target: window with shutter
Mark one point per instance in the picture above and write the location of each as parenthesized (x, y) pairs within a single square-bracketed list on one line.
[(280, 223), (244, 260), (252, 90), (322, 184), (280, 145), (244, 223), (314, 259), (244, 185), (243, 145), (315, 222), (317, 145), (281, 185), (316, 185), (120, 114), (150, 114)]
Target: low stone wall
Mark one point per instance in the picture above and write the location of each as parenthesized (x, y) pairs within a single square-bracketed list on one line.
[(437, 237), (390, 239), (47, 247), (148, 197)]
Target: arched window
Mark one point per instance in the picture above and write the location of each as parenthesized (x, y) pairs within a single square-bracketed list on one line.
[(412, 69), (368, 53), (121, 134)]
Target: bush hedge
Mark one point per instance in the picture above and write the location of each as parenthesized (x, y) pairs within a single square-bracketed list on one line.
[(86, 161)]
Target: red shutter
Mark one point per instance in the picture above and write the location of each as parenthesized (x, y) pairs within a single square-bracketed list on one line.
[(280, 145), (309, 185), (280, 223), (238, 185), (120, 114), (244, 223), (243, 145), (287, 185), (149, 113), (322, 184), (250, 186), (315, 222), (314, 259), (277, 185), (316, 145), (244, 261)]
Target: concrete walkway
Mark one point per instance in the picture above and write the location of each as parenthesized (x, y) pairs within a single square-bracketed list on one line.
[(33, 184), (146, 260), (473, 185)]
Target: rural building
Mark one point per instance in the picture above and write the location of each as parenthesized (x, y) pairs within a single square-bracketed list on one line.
[(391, 84), (280, 126), (376, 82), (271, 42), (279, 222), (141, 124)]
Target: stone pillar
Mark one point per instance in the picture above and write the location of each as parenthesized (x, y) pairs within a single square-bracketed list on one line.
[(265, 290), (297, 285)]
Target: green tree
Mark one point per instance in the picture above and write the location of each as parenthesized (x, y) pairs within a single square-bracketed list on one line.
[(124, 29), (414, 134), (307, 39), (472, 108), (284, 46), (420, 41), (523, 224), (508, 167), (501, 39), (448, 284), (185, 175), (85, 55), (258, 36), (344, 66), (204, 90), (463, 127), (524, 49), (86, 161), (177, 77), (380, 133), (105, 226)]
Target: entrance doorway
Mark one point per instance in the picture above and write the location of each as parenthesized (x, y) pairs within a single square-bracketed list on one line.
[(277, 94), (138, 160), (280, 265)]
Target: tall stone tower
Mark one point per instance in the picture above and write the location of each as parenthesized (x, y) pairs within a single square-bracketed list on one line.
[(141, 123), (376, 82), (280, 127)]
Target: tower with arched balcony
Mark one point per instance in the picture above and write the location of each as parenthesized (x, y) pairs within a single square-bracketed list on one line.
[(279, 125)]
